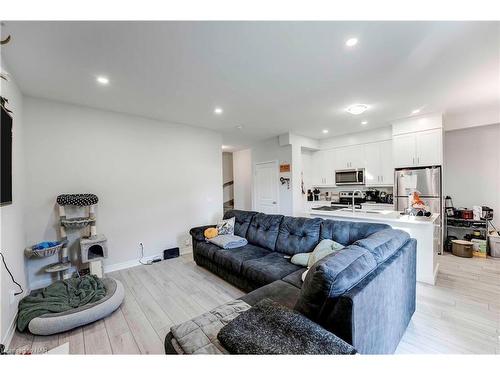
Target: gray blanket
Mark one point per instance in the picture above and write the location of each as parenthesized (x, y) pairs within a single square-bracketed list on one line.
[(270, 328), (228, 241), (199, 335)]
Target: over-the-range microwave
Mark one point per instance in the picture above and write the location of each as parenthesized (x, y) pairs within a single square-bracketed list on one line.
[(350, 176)]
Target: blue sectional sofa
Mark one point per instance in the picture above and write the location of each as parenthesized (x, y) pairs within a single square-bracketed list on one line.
[(364, 294)]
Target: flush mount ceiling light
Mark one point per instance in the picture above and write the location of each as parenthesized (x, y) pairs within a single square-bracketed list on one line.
[(364, 122), (224, 147), (415, 111), (102, 80), (325, 131), (351, 42), (218, 111), (239, 127), (357, 109)]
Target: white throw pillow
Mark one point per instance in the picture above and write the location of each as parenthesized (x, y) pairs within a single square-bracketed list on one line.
[(226, 226)]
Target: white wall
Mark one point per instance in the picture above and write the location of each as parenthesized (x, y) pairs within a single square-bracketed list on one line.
[(374, 135), (242, 174), (12, 235), (472, 165), (154, 180), (270, 150)]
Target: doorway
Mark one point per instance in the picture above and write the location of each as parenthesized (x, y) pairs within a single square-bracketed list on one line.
[(266, 187), (227, 181)]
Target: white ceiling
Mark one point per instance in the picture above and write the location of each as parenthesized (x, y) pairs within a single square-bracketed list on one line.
[(270, 77)]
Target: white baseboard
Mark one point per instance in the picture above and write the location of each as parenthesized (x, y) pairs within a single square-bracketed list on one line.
[(10, 333), (130, 263)]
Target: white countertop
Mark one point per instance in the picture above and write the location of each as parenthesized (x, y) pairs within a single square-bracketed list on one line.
[(383, 216)]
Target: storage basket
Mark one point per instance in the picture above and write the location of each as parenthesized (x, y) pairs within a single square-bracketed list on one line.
[(46, 252), (77, 222), (495, 246)]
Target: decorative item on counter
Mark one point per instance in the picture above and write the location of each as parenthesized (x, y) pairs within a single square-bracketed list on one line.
[(416, 206), (316, 193), (310, 197), (327, 197)]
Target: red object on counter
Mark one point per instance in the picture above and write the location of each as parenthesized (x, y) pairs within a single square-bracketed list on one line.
[(467, 214)]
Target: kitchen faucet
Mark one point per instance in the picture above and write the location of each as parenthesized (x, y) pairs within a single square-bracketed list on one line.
[(353, 194)]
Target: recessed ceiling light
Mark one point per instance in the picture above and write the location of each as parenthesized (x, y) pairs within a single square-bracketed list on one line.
[(102, 80), (218, 111), (224, 147), (239, 127), (357, 109), (364, 122), (415, 111), (351, 42), (325, 131)]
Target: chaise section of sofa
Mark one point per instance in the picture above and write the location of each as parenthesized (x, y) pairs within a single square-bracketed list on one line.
[(365, 293)]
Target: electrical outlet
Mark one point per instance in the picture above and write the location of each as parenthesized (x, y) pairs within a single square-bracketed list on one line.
[(12, 297)]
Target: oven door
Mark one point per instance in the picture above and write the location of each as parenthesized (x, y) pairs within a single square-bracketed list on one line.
[(350, 177)]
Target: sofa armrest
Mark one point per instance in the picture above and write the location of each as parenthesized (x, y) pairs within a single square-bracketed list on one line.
[(198, 232), (373, 315), (384, 243)]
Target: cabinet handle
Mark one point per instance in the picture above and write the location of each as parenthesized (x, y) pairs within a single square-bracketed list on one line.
[(414, 160), (418, 159), (382, 178)]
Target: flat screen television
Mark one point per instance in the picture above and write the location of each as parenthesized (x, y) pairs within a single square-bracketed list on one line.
[(6, 157)]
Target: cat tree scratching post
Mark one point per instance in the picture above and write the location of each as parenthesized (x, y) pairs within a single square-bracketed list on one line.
[(93, 248)]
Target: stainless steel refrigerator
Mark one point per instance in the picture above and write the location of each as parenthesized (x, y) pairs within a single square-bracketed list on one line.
[(426, 180)]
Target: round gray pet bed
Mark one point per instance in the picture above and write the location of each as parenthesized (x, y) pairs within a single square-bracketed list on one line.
[(50, 324)]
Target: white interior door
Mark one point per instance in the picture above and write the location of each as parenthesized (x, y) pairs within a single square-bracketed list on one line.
[(266, 187)]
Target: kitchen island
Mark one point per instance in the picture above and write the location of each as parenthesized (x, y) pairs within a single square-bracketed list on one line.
[(426, 230)]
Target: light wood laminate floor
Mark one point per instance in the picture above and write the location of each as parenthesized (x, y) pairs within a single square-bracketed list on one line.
[(460, 314)]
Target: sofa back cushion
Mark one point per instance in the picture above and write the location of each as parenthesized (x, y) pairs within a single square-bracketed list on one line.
[(263, 230), (298, 235), (347, 232), (242, 220), (331, 277), (384, 243)]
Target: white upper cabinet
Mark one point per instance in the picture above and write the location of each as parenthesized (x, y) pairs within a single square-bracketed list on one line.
[(379, 166), (418, 141), (429, 147), (349, 157), (404, 148), (420, 149), (323, 168), (386, 163)]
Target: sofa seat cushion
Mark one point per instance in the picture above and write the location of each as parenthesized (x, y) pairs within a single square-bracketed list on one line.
[(295, 278), (242, 221), (263, 230), (233, 259), (207, 249), (267, 269), (347, 232), (384, 243), (332, 276), (298, 235)]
